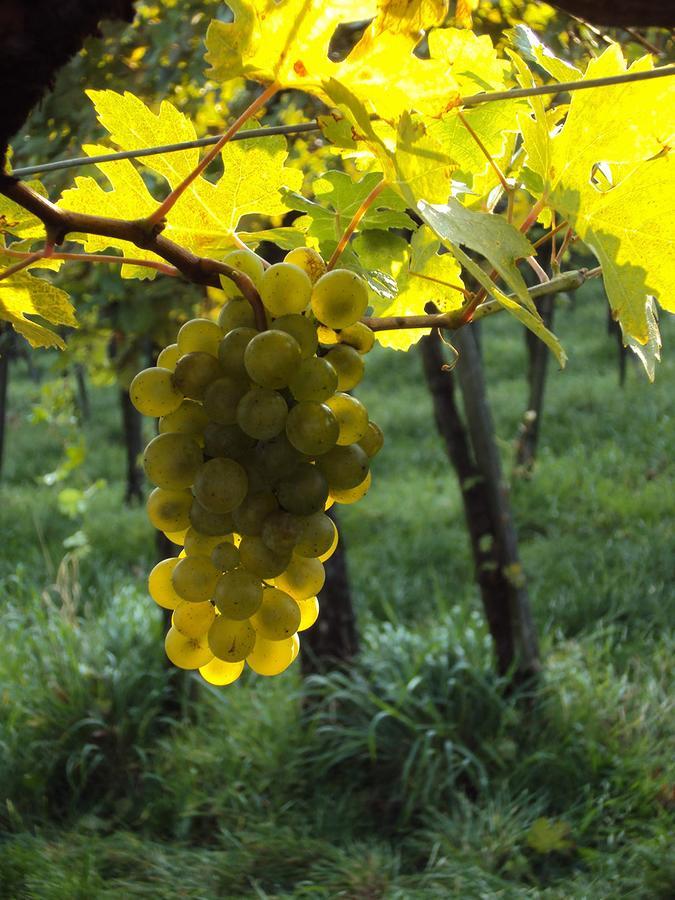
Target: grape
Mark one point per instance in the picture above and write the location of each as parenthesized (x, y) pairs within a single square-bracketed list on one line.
[(309, 612), (186, 652), (236, 314), (254, 510), (194, 373), (331, 549), (348, 364), (247, 262), (194, 578), (231, 641), (308, 260), (277, 457), (303, 578), (201, 335), (225, 556), (314, 379), (238, 594), (344, 467), (220, 673), (351, 495), (339, 298), (220, 485), (189, 418), (304, 491), (197, 544), (231, 351), (372, 440), (271, 657), (327, 337), (352, 418), (302, 329), (285, 288), (176, 537), (160, 585), (281, 531), (171, 461), (271, 357), (222, 397), (358, 336), (168, 358), (262, 413), (312, 428), (257, 482), (317, 533), (169, 510), (193, 619), (210, 523), (154, 393), (226, 440), (278, 616), (257, 557)]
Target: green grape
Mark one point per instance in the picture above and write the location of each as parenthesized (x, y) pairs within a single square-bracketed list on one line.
[(220, 673), (209, 523), (171, 461), (186, 652), (302, 579), (351, 495), (197, 544), (231, 640), (201, 335), (257, 557), (280, 532), (189, 418), (238, 594), (326, 336), (154, 393), (285, 288), (220, 485), (254, 510), (236, 314), (278, 616), (317, 533), (257, 482), (358, 336), (271, 357), (312, 428), (344, 467), (222, 398), (160, 585), (193, 619), (225, 556), (194, 578), (309, 612), (232, 349), (271, 657), (176, 537), (169, 510), (302, 329), (348, 364), (308, 260), (277, 458), (339, 298), (304, 491), (352, 418), (262, 413), (168, 357), (331, 550), (194, 373), (247, 262), (372, 440), (315, 379), (227, 440)]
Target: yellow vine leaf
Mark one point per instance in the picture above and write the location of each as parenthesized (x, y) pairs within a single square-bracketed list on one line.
[(207, 215)]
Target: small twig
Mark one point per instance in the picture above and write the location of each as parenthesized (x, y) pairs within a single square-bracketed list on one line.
[(641, 39), (486, 153), (537, 269), (353, 225), (447, 284), (101, 258), (22, 264), (549, 234)]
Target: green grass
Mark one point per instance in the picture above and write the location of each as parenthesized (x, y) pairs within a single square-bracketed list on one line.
[(415, 774)]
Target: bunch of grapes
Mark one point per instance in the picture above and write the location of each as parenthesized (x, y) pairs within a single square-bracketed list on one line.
[(258, 437)]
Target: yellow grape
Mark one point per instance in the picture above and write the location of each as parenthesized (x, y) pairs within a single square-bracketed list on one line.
[(238, 594), (197, 544), (199, 335), (247, 262), (220, 485), (220, 673), (168, 358), (253, 512), (193, 619), (176, 537), (351, 495), (296, 645), (186, 652), (358, 336), (303, 578), (317, 534), (160, 586), (278, 616), (301, 328), (339, 298), (312, 428), (210, 523), (257, 557), (309, 612), (308, 260), (237, 313), (349, 365), (344, 467), (189, 418), (153, 392), (169, 510), (194, 373), (373, 440), (271, 358), (225, 556), (194, 578), (171, 461), (331, 550), (285, 288), (352, 417), (231, 641), (271, 657)]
